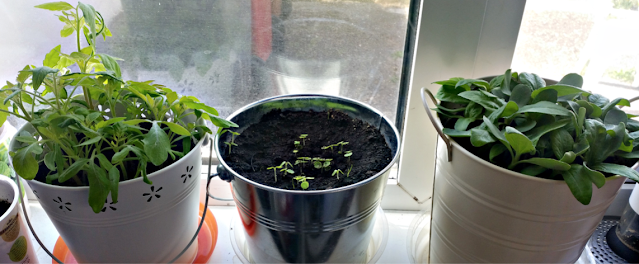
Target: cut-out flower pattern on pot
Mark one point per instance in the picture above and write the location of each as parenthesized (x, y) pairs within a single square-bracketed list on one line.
[(62, 205), (152, 193), (109, 206), (187, 175)]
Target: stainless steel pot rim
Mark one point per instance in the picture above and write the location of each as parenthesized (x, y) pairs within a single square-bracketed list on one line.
[(309, 96)]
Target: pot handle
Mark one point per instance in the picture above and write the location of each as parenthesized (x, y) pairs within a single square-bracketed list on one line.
[(438, 125)]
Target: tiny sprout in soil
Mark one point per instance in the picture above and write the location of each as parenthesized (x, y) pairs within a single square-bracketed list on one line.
[(302, 181), (348, 155), (349, 171), (284, 167), (232, 142), (274, 171), (337, 172), (304, 137), (297, 144), (341, 146)]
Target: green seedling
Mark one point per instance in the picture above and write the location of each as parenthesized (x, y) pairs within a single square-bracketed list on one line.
[(274, 171), (302, 162), (349, 171), (295, 151), (304, 137), (297, 144), (337, 172), (341, 146), (348, 155), (302, 181), (284, 167), (327, 147), (320, 163), (232, 142)]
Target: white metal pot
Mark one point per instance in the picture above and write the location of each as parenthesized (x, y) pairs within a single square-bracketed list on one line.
[(15, 242), (150, 223), (485, 213)]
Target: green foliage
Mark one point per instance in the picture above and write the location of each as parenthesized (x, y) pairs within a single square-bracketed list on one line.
[(302, 180), (78, 116), (558, 131), (231, 143)]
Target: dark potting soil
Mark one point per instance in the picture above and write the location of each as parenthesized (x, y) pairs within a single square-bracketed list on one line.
[(271, 141), (4, 206)]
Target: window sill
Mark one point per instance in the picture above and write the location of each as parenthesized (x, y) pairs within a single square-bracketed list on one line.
[(395, 251)]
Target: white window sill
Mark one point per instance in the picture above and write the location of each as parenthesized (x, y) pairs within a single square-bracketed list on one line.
[(395, 251)]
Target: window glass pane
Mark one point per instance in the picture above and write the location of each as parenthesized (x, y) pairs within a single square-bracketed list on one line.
[(597, 39), (229, 53)]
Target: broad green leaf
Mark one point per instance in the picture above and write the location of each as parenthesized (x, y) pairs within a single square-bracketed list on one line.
[(546, 95), (598, 100), (177, 129), (548, 163), (98, 187), (201, 106), (473, 110), (171, 97), (52, 58), (104, 162), (505, 85), (105, 123), (450, 82), (615, 116), (631, 155), (518, 141), (476, 82), (39, 74), (581, 146), (561, 142), (533, 170), (569, 157), (480, 137), (562, 90), (617, 169), (596, 177), (88, 12), (497, 81), (497, 92), (90, 141), (481, 98), (156, 145), (56, 6), (526, 126), (451, 94), (49, 161), (72, 170), (532, 80), (26, 139), (545, 107), (219, 122), (66, 31), (602, 144), (456, 133), (495, 151), (120, 155), (580, 185), (134, 122), (110, 64), (114, 179), (25, 164), (539, 131), (521, 95), (495, 131), (509, 109), (612, 104), (572, 79)]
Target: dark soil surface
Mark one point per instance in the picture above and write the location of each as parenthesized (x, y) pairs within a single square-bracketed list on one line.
[(4, 206), (271, 142)]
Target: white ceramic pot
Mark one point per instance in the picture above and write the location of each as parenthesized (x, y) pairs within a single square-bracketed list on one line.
[(150, 223), (15, 243), (485, 213)]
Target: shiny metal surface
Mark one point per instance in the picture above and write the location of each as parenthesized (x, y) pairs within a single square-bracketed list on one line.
[(290, 226)]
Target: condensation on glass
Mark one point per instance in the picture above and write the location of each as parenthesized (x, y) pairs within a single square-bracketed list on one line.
[(595, 38), (229, 53)]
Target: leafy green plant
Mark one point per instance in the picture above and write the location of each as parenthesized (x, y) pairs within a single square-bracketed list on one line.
[(232, 142), (302, 180), (557, 131), (91, 127)]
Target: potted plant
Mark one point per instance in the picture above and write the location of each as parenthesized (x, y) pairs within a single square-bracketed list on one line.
[(517, 165), (307, 173), (15, 243), (115, 164)]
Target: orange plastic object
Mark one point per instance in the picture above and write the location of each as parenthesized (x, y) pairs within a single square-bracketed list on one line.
[(206, 239)]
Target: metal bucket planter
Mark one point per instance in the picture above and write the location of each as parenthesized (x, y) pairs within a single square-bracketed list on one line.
[(323, 226), (485, 213), (150, 223)]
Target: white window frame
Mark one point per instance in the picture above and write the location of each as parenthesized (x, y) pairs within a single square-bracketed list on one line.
[(469, 38)]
